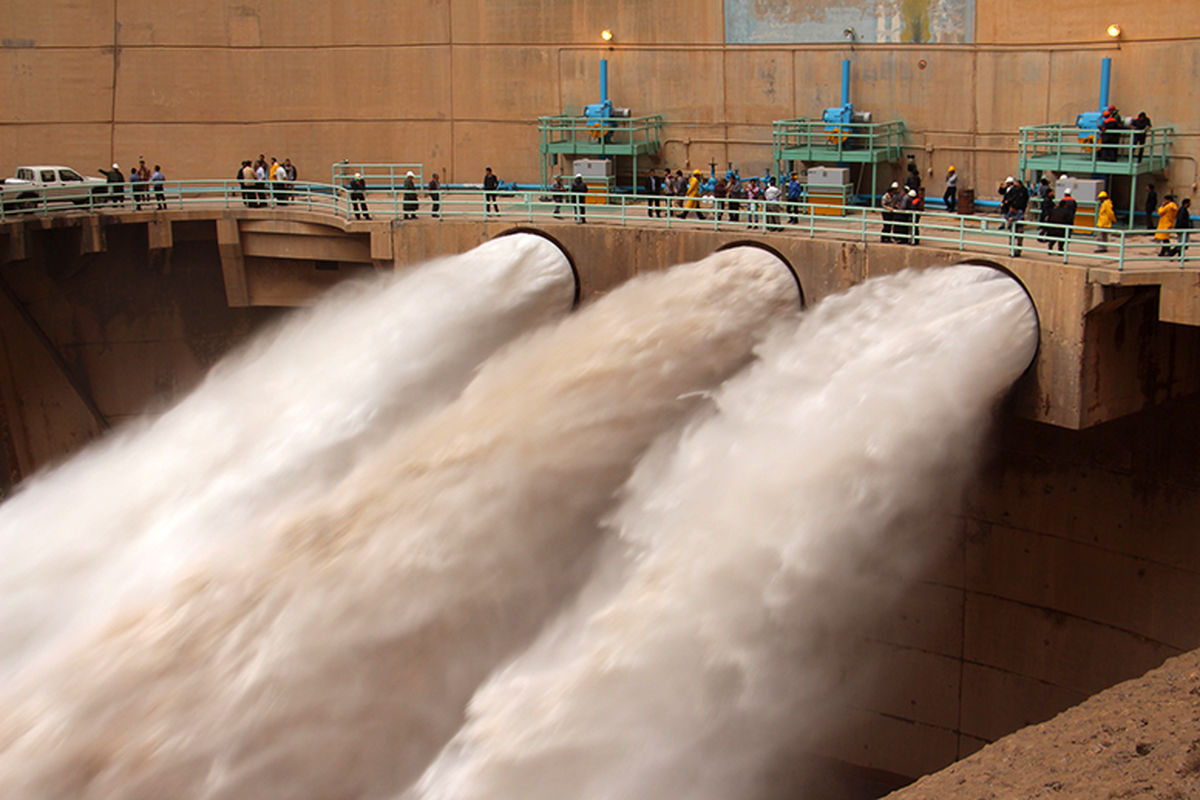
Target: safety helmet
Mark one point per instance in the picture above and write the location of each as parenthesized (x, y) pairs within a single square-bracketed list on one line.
[(1102, 195), (951, 169)]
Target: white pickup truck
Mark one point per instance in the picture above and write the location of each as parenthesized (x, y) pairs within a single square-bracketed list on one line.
[(40, 186)]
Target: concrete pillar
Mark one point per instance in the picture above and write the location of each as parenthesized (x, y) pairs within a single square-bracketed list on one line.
[(233, 262)]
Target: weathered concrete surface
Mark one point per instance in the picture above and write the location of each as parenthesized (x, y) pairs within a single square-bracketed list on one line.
[(458, 84), (1105, 350), (127, 336)]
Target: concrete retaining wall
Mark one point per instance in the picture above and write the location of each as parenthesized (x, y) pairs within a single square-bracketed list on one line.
[(458, 84)]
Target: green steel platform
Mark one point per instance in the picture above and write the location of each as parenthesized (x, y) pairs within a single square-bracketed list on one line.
[(588, 137), (815, 141)]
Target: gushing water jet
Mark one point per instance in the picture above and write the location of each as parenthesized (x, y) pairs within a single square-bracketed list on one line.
[(271, 427), (336, 657)]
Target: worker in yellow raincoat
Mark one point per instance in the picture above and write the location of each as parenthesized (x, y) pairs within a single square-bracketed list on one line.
[(1166, 221), (1105, 218), (693, 196)]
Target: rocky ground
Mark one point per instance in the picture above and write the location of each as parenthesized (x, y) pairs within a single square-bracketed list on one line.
[(1139, 739)]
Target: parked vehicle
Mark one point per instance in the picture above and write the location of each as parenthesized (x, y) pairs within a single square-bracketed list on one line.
[(37, 185)]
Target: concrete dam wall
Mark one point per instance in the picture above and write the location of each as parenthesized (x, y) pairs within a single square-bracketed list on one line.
[(1071, 567)]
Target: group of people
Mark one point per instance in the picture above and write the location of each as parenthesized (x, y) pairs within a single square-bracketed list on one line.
[(1056, 216), (1111, 124), (1056, 219), (902, 207), (266, 183), (679, 195), (141, 179), (410, 202), (1173, 216), (577, 192)]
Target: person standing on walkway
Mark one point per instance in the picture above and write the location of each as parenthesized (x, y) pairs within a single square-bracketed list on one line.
[(490, 184), (736, 192), (908, 217), (291, 174), (913, 180), (411, 203), (1151, 205), (557, 191), (358, 197), (137, 193), (1016, 199), (1105, 218), (434, 190), (278, 182), (140, 177), (693, 196), (1183, 224), (1064, 217), (579, 191), (950, 197), (260, 180), (249, 196), (772, 205), (890, 203), (1045, 209), (1140, 124), (794, 190), (1166, 221), (157, 179), (116, 184), (653, 188)]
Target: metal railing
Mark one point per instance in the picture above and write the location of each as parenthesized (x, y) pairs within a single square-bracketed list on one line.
[(563, 133), (967, 233), (1067, 148), (383, 176), (817, 140)]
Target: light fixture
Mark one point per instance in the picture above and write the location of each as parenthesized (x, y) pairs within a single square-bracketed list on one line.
[(606, 35), (1113, 31)]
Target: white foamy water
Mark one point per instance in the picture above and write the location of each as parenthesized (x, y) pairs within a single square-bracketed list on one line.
[(753, 554), (271, 426), (338, 659)]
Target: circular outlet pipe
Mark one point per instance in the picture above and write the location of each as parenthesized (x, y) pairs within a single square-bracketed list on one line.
[(778, 255), (566, 254), (983, 262)]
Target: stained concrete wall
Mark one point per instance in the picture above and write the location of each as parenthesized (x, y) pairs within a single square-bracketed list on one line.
[(458, 84), (90, 341)]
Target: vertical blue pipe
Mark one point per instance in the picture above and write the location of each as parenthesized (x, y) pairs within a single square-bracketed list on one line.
[(846, 81), (603, 80), (1105, 74)]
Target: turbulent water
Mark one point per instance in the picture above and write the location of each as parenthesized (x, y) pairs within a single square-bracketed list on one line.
[(753, 554), (269, 428), (336, 656)]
